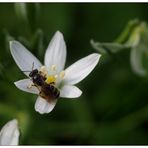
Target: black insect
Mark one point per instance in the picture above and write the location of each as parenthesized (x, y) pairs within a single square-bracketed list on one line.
[(37, 78), (47, 91)]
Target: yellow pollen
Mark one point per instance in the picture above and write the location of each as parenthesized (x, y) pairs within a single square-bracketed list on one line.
[(50, 79), (53, 68), (62, 74)]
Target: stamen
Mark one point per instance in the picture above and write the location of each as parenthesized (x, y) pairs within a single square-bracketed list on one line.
[(56, 76), (62, 74), (43, 71), (53, 68)]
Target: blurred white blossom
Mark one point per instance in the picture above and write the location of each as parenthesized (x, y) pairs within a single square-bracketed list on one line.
[(9, 134)]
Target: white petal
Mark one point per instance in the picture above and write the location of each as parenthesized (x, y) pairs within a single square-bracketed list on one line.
[(25, 85), (56, 52), (9, 134), (79, 70), (23, 57), (68, 91), (42, 106)]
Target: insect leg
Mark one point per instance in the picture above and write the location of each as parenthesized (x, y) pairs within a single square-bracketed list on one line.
[(33, 85), (30, 85)]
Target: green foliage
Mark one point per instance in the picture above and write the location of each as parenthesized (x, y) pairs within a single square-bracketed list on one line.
[(134, 37), (113, 108)]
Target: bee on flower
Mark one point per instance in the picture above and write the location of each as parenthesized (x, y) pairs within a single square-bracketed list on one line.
[(51, 81)]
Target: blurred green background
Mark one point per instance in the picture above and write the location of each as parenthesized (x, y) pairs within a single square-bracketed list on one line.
[(113, 108)]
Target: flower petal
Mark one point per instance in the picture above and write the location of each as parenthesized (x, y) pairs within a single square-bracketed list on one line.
[(23, 57), (42, 106), (79, 70), (56, 52), (9, 134), (25, 85), (68, 91)]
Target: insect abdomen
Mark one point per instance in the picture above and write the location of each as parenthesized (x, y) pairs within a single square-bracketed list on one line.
[(50, 90)]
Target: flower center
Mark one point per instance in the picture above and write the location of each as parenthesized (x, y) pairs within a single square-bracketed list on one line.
[(51, 74)]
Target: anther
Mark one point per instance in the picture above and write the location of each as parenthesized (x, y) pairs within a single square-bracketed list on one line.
[(43, 71), (56, 76), (62, 74), (53, 68)]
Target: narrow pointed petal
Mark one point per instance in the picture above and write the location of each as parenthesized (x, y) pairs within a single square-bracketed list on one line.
[(68, 91), (42, 106), (9, 134), (23, 57), (25, 85), (56, 52), (79, 70)]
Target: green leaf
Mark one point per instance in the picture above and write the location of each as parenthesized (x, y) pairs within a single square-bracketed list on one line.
[(33, 13), (8, 38), (21, 11), (135, 36), (28, 14), (109, 48), (127, 31), (38, 43)]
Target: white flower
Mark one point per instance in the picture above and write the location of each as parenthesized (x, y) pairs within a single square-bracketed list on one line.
[(9, 134), (54, 62)]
